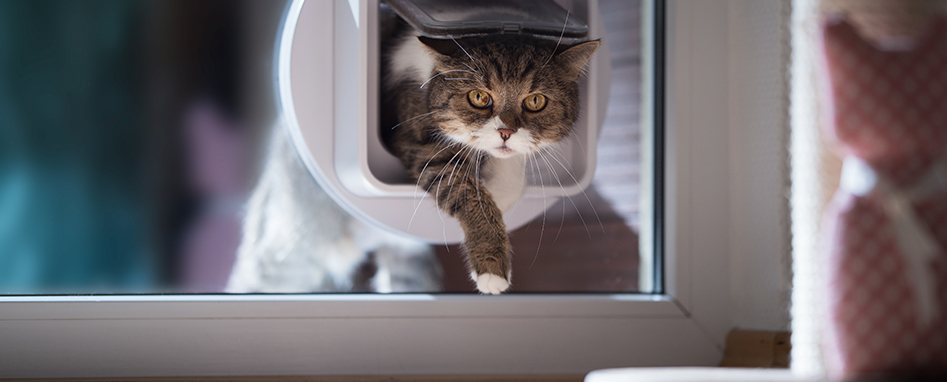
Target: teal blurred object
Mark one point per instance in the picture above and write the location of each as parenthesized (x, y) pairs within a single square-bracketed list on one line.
[(72, 196)]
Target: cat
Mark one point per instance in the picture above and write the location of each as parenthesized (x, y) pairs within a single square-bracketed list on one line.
[(296, 239), (462, 128), (463, 114)]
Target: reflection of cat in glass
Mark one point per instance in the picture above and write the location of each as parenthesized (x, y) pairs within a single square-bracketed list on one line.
[(297, 239), (462, 116)]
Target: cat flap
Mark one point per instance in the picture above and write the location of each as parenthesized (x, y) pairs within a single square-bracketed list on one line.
[(459, 18)]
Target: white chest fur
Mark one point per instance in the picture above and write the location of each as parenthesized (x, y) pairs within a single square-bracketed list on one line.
[(506, 179)]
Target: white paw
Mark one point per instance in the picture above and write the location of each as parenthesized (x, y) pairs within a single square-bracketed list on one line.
[(489, 283)]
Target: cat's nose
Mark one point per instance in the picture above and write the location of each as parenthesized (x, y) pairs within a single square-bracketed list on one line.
[(505, 133)]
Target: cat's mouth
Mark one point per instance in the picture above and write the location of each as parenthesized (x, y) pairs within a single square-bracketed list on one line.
[(502, 152)]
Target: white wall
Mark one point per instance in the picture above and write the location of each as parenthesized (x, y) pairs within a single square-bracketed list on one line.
[(759, 262)]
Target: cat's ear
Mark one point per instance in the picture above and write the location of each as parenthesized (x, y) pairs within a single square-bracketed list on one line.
[(445, 47), (574, 59)]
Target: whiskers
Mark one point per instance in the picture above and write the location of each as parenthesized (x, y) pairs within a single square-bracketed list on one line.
[(550, 159), (474, 70), (471, 69), (448, 144), (557, 156), (445, 72), (464, 163), (477, 162), (465, 51), (413, 119), (557, 42), (542, 228)]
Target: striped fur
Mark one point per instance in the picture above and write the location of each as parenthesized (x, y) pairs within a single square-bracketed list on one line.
[(443, 140)]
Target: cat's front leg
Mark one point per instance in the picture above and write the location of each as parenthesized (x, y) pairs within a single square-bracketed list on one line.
[(485, 238), (485, 241), (487, 244)]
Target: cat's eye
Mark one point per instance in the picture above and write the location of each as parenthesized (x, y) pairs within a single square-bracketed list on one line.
[(479, 99), (534, 102)]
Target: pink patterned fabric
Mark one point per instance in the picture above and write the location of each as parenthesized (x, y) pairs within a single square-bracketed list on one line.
[(888, 108)]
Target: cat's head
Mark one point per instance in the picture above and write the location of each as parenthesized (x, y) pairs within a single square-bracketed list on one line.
[(506, 95)]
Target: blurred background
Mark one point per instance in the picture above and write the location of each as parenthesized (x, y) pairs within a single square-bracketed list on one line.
[(124, 131)]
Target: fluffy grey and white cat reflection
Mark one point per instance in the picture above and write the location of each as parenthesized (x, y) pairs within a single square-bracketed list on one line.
[(297, 239), (465, 115)]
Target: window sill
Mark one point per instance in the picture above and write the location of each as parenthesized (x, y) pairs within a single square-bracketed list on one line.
[(694, 374)]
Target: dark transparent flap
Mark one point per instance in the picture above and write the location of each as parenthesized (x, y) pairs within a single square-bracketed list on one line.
[(457, 18)]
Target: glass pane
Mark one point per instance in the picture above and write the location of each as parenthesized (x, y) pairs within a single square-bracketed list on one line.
[(139, 154)]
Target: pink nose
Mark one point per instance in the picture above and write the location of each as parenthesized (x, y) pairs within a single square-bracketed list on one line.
[(505, 133)]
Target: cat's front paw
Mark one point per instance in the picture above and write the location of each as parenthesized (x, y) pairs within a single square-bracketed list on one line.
[(489, 283)]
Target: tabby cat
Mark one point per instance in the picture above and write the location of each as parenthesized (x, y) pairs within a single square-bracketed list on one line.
[(463, 114)]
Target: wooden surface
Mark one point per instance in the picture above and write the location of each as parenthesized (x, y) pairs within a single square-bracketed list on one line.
[(757, 349)]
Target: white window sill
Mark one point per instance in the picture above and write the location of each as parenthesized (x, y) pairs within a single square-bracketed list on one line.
[(694, 374)]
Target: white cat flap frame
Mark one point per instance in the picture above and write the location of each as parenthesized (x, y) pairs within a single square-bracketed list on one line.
[(328, 86)]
